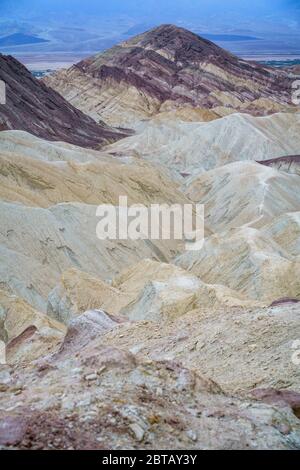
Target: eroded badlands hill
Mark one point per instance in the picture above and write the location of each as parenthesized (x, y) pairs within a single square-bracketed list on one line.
[(169, 68), (33, 107), (125, 344), (142, 344), (101, 397), (189, 148)]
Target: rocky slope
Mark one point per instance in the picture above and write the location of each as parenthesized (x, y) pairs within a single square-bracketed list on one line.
[(34, 107), (41, 174), (252, 262), (169, 68), (149, 290), (259, 356)]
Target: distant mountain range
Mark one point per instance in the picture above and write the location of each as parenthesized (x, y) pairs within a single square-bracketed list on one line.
[(19, 39)]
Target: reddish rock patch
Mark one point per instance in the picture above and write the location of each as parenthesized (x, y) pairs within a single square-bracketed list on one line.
[(279, 397)]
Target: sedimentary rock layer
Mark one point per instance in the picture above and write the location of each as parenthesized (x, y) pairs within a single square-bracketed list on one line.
[(34, 107)]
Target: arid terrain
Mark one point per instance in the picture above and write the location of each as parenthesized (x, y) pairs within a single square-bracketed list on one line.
[(142, 344)]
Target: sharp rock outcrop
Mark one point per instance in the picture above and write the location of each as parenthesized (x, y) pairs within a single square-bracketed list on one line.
[(36, 108), (169, 68)]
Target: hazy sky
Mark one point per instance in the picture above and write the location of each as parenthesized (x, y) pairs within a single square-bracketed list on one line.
[(153, 8)]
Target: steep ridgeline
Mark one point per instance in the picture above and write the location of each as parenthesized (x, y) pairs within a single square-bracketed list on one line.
[(167, 69), (34, 107), (290, 164)]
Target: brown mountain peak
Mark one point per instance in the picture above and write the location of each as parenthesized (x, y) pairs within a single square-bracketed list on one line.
[(183, 44)]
